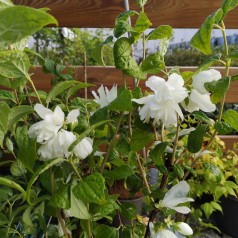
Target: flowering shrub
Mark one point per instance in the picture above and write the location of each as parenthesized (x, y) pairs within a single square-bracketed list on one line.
[(69, 152)]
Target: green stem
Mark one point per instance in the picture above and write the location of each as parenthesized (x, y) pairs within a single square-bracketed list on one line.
[(175, 142), (111, 143), (88, 223), (75, 169), (34, 88)]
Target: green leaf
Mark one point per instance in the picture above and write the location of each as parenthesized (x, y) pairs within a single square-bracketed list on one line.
[(17, 168), (231, 117), (233, 54), (142, 24), (105, 231), (157, 156), (4, 115), (61, 197), (234, 77), (206, 64), (12, 184), (74, 89), (201, 40), (39, 171), (153, 63), (163, 46), (18, 112), (60, 88), (5, 82), (178, 170), (201, 116), (14, 64), (26, 148), (223, 128), (18, 22), (214, 169), (6, 95), (128, 210), (140, 139), (195, 139), (78, 208), (29, 227), (119, 173), (122, 102), (124, 61), (219, 191), (218, 89), (229, 5), (208, 209), (161, 32), (121, 23), (91, 189)]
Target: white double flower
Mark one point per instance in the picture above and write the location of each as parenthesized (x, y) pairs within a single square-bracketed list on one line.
[(54, 140), (164, 103)]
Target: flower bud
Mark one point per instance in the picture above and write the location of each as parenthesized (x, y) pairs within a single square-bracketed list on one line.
[(184, 229)]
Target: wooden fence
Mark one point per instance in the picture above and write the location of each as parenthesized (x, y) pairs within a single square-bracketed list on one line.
[(102, 13)]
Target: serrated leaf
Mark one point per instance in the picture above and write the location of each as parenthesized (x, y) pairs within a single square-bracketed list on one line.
[(218, 89), (26, 148), (140, 139), (91, 189), (153, 63), (201, 40), (195, 139), (38, 172), (14, 64), (208, 209), (161, 32), (122, 102), (222, 128), (18, 22), (6, 95), (60, 88), (219, 191), (119, 173), (18, 112), (231, 117), (214, 169)]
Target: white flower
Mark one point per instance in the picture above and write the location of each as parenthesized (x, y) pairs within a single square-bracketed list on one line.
[(84, 148), (58, 146), (51, 123), (161, 233), (184, 229), (164, 103), (203, 77), (67, 33), (198, 101), (176, 195), (105, 96), (67, 213)]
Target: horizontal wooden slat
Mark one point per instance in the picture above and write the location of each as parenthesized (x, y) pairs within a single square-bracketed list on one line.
[(229, 141), (101, 13), (110, 75)]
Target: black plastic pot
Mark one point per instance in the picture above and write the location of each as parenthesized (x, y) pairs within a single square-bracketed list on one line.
[(228, 221)]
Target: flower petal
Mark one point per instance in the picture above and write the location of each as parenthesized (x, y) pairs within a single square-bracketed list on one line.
[(155, 83), (58, 116), (184, 229), (72, 116), (42, 111)]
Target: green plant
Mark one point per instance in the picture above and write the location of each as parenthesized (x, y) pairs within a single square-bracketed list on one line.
[(68, 151)]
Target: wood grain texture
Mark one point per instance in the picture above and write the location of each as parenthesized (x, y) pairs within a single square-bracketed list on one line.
[(109, 76), (102, 13)]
